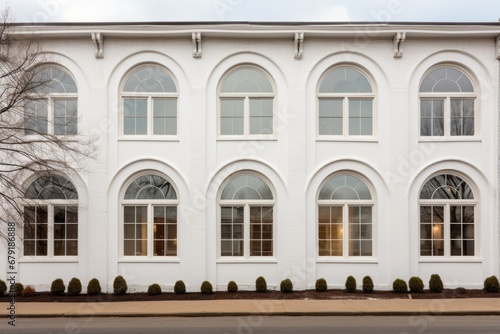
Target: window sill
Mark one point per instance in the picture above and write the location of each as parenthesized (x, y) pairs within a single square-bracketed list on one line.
[(140, 138), (149, 260), (246, 261), (451, 260), (48, 260), (449, 139), (222, 139), (348, 139), (347, 260)]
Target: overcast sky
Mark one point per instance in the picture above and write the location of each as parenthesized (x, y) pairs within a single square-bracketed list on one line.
[(253, 10)]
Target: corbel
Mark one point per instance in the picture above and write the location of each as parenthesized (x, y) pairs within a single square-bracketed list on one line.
[(299, 45), (497, 48), (98, 40), (398, 44), (196, 44)]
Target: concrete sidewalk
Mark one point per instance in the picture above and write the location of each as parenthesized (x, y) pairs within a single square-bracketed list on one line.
[(465, 306)]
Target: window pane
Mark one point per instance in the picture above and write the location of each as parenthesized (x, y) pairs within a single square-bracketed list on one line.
[(360, 117), (462, 117), (259, 216), (164, 116), (36, 117), (330, 116), (232, 230), (232, 116), (246, 80), (65, 117), (345, 80)]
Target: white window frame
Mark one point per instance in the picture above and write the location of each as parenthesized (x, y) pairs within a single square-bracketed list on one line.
[(246, 106)]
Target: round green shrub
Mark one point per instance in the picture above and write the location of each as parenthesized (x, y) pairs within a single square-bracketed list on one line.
[(3, 287), (260, 284), (416, 284), (179, 287), (28, 291), (321, 285), (74, 287), (350, 284), (399, 286), (286, 286), (232, 286), (18, 288), (367, 284), (57, 287), (120, 285), (206, 288), (154, 290), (491, 284), (435, 283), (94, 287)]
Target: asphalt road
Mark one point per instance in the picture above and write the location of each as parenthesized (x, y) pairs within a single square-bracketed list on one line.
[(258, 324)]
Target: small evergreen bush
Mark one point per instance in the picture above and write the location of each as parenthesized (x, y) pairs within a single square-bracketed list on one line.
[(179, 287), (120, 285), (57, 287), (3, 288), (286, 286), (367, 284), (28, 291), (74, 287), (232, 286), (321, 285), (399, 286), (18, 288), (350, 284), (206, 288), (94, 287), (435, 283), (154, 290), (491, 284), (260, 284), (416, 284)]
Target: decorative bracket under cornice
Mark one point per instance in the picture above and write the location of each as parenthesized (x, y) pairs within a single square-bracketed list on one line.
[(299, 45), (196, 44), (98, 40), (398, 44), (497, 48)]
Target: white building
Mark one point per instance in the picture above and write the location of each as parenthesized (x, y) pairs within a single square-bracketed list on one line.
[(232, 151)]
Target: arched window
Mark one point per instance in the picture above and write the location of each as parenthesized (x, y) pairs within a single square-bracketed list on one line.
[(51, 218), (447, 223), (246, 217), (447, 103), (150, 217), (345, 102), (345, 209), (54, 109), (246, 102), (149, 98)]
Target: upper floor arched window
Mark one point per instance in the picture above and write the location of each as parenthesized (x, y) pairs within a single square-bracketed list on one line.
[(447, 103), (345, 103), (149, 98), (54, 108), (246, 103)]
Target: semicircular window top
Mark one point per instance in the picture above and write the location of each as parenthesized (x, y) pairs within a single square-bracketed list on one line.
[(246, 211), (447, 217), (345, 103), (345, 209), (447, 103), (149, 99), (50, 218), (54, 105), (246, 103), (149, 210)]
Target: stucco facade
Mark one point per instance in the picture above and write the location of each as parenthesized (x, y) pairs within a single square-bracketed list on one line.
[(394, 159)]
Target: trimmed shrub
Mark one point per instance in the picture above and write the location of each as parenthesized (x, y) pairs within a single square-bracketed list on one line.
[(260, 284), (286, 286), (57, 287), (120, 285), (399, 286), (3, 287), (367, 284), (74, 287), (435, 283), (416, 284), (491, 284), (154, 290), (28, 291), (232, 286), (206, 288), (94, 287), (350, 284), (18, 287), (179, 287), (321, 285)]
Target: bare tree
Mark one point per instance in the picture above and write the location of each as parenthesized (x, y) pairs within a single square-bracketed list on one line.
[(26, 147)]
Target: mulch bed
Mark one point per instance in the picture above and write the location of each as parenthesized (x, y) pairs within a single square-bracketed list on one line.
[(307, 294)]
